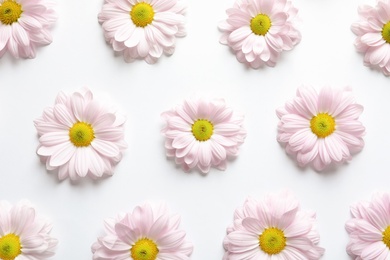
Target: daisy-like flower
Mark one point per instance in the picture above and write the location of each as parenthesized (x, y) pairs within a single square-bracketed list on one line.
[(80, 137), (321, 128), (369, 229), (259, 30), (150, 232), (143, 29), (23, 234), (24, 25), (203, 133), (373, 35), (272, 228)]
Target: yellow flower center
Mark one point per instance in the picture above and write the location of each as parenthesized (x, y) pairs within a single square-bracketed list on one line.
[(81, 134), (322, 125), (386, 32), (144, 249), (386, 237), (10, 247), (142, 14), (202, 129), (10, 12), (260, 24), (272, 241)]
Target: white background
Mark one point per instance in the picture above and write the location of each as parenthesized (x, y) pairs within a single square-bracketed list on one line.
[(79, 56)]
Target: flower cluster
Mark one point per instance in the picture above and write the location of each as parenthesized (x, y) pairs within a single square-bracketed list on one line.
[(143, 29), (373, 35), (80, 137), (24, 25), (150, 232), (202, 133), (321, 128), (272, 228), (23, 234), (258, 31)]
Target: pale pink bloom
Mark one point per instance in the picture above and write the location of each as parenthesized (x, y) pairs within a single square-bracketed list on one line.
[(272, 228), (202, 133), (259, 30), (80, 137), (149, 232), (25, 25), (369, 229), (23, 233), (321, 128), (373, 35), (143, 29)]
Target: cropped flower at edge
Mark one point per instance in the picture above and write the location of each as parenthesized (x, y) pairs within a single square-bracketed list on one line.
[(272, 228), (202, 133), (369, 228), (321, 128), (23, 233), (258, 30), (25, 25), (80, 137), (143, 29), (373, 35), (150, 232)]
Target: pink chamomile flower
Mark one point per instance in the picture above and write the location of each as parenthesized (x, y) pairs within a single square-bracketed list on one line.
[(272, 228), (80, 137), (369, 228), (257, 31), (25, 25), (202, 133), (373, 35), (321, 128), (150, 232), (143, 29), (24, 235)]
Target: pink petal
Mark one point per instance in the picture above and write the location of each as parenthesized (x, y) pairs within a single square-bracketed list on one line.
[(5, 34), (105, 148), (62, 155), (204, 153), (20, 35), (171, 240), (82, 156), (183, 140), (77, 105), (54, 138)]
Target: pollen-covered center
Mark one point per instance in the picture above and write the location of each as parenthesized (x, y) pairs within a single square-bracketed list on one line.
[(202, 129), (386, 32), (386, 237), (81, 134), (260, 24), (322, 125), (142, 14), (272, 241), (144, 249), (10, 247), (10, 12)]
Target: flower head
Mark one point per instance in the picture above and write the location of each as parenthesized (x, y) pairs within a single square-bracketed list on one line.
[(321, 128), (23, 234), (150, 232), (272, 228), (369, 228), (373, 35), (80, 137), (24, 25), (203, 133), (259, 30), (143, 29)]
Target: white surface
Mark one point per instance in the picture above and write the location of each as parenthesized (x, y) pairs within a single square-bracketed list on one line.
[(80, 57)]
